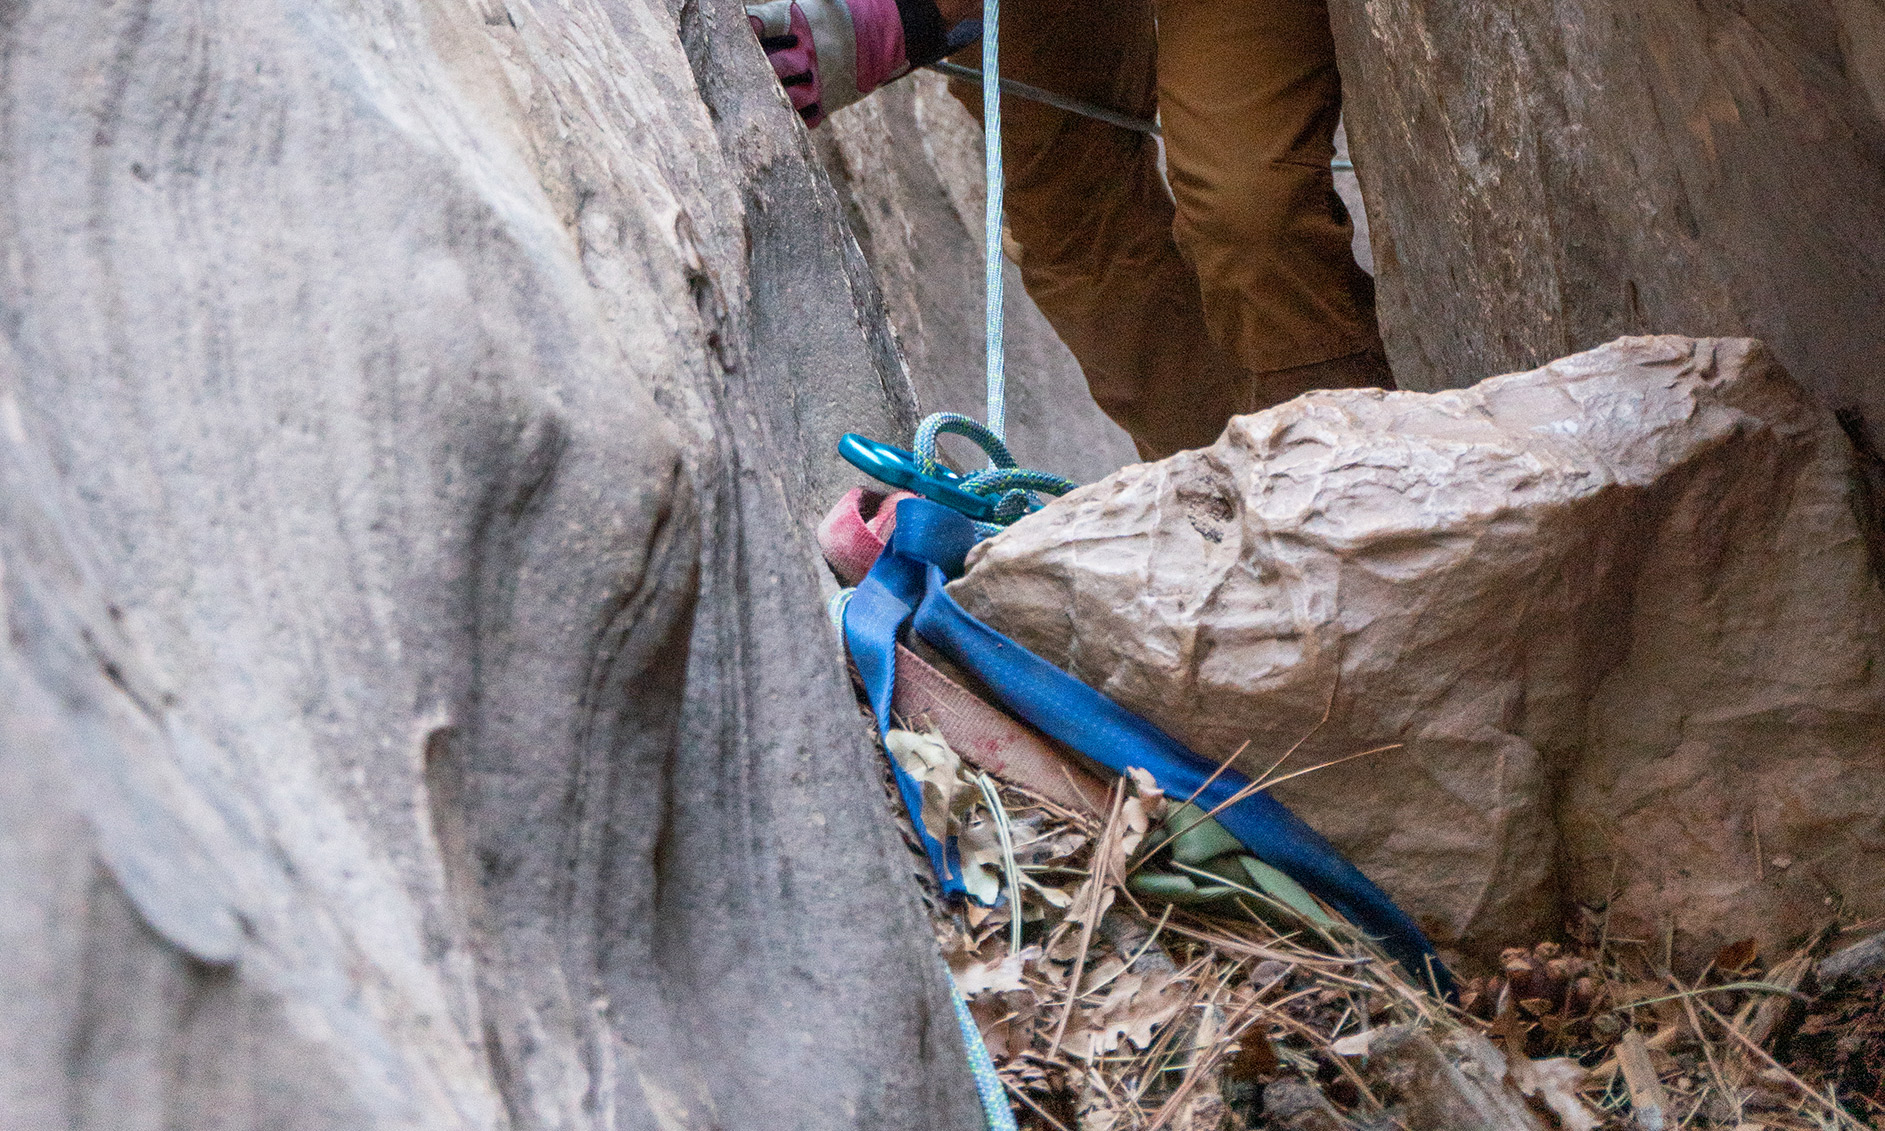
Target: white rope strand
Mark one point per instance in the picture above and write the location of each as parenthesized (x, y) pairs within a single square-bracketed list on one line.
[(991, 247)]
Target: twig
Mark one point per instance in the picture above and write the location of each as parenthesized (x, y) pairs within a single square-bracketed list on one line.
[(1839, 1114), (1233, 1028), (1310, 959), (1021, 1095), (1258, 785), (1221, 767), (1607, 1071), (1649, 1103), (1708, 1050), (1762, 987), (1327, 709), (1084, 820), (1009, 869), (1096, 884)]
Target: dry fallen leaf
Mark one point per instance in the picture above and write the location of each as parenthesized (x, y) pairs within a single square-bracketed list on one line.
[(1554, 1083), (1033, 849), (979, 846), (1737, 956), (1147, 1010), (1256, 1056), (1076, 916), (1099, 1109), (1135, 1005), (1101, 973), (1356, 1044), (1057, 898), (1107, 1053), (1144, 785), (991, 1018), (952, 806), (937, 770), (995, 975)]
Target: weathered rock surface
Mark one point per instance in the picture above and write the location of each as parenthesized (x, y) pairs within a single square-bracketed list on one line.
[(415, 704), (1545, 175), (1616, 611)]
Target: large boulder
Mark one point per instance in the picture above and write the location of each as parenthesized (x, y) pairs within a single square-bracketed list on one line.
[(416, 706), (1612, 616)]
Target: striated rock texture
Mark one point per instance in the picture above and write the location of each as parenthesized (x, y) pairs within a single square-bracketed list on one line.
[(907, 162), (1616, 613), (1545, 175), (415, 704)]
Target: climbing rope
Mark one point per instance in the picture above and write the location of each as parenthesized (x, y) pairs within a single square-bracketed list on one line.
[(991, 218), (906, 589), (981, 1066), (1014, 484), (1004, 491), (872, 641), (1002, 475)]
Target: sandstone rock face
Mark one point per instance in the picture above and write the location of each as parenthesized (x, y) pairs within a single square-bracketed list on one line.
[(416, 709), (1615, 612), (1545, 175)]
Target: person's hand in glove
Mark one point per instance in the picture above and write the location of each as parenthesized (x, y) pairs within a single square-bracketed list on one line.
[(830, 53)]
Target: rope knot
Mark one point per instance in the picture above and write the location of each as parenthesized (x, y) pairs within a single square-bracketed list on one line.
[(1018, 488)]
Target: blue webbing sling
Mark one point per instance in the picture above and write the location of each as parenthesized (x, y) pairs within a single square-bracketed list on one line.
[(905, 587)]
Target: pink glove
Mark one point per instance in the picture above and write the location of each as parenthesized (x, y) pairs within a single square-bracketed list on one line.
[(830, 53)]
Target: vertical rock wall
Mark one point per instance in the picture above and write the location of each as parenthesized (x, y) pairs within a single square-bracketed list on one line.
[(415, 703), (1548, 175)]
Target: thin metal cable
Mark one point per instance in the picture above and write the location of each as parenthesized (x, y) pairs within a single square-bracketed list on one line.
[(1076, 106), (1049, 98)]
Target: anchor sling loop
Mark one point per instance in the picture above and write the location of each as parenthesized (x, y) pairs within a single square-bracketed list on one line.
[(905, 587)]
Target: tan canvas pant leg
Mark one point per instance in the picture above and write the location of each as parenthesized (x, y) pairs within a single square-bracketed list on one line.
[(1249, 98), (1093, 222)]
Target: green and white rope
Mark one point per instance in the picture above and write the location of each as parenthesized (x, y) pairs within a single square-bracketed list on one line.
[(988, 1084), (1016, 486), (1002, 476)]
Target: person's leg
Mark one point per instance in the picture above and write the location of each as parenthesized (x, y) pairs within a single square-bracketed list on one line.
[(1093, 222), (1249, 98)]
